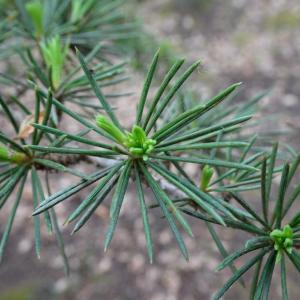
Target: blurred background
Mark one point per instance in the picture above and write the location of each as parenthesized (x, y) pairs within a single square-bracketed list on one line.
[(256, 42)]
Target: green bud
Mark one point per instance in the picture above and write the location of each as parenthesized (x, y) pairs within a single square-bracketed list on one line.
[(4, 154), (288, 231), (207, 174), (110, 128), (54, 54), (283, 240), (11, 156), (288, 243), (276, 233), (138, 143), (138, 136), (136, 151), (35, 11)]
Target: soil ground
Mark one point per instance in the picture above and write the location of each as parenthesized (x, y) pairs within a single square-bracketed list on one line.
[(256, 42)]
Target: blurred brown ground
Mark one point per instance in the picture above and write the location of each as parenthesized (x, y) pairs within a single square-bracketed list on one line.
[(256, 42)]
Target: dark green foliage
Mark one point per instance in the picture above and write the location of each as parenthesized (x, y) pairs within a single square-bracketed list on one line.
[(83, 23), (67, 51), (271, 238), (135, 149)]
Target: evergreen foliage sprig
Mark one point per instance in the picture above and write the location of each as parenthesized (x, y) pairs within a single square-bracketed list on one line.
[(65, 49), (135, 152)]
